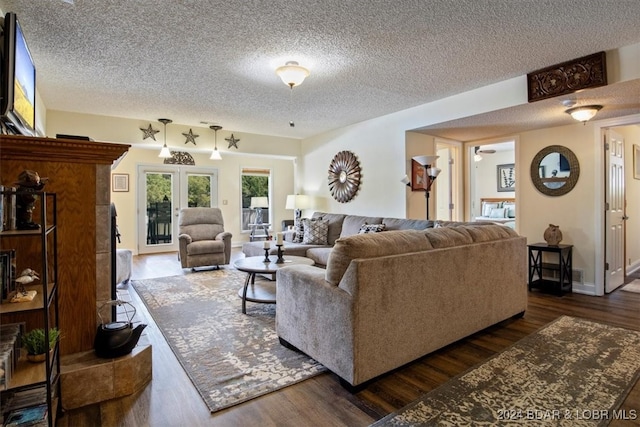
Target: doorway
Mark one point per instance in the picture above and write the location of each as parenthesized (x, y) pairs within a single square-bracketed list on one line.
[(486, 161), (626, 126), (164, 190)]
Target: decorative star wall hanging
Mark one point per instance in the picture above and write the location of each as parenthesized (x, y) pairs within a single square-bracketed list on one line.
[(190, 137), (149, 133), (233, 142)]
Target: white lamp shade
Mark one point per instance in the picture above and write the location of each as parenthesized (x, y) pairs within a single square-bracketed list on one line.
[(215, 155), (405, 180), (298, 201), (426, 160), (434, 172), (292, 74), (165, 152), (259, 202)]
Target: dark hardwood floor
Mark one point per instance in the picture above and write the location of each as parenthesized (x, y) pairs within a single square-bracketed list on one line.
[(171, 400)]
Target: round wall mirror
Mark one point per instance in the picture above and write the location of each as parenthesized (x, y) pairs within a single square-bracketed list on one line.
[(555, 170)]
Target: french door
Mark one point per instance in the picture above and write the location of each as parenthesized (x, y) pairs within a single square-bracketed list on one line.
[(164, 190)]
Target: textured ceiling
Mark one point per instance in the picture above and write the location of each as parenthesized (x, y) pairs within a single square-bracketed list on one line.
[(214, 61)]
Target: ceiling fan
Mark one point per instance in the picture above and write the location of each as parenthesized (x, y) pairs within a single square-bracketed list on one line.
[(478, 153)]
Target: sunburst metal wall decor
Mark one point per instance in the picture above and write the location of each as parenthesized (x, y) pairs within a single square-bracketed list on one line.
[(344, 176)]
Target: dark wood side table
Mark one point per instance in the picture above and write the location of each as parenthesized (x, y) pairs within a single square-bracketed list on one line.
[(563, 269)]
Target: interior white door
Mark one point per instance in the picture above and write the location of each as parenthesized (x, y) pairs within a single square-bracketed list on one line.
[(614, 215)]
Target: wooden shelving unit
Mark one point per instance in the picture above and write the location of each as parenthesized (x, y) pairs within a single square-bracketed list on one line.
[(31, 383)]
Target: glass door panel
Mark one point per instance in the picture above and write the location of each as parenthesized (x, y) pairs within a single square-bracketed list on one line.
[(158, 207)]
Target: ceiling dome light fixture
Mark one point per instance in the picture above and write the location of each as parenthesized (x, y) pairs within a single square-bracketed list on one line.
[(292, 73), (165, 153), (584, 113), (215, 154)]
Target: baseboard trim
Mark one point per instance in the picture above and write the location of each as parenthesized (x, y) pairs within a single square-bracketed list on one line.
[(584, 288)]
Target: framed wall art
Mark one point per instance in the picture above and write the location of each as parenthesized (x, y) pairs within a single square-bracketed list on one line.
[(506, 177), (418, 176), (120, 182)]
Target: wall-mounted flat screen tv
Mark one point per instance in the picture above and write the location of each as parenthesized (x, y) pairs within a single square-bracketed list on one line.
[(18, 91)]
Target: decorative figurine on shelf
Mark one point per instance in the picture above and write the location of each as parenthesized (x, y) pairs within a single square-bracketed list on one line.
[(22, 295), (28, 183), (553, 235)]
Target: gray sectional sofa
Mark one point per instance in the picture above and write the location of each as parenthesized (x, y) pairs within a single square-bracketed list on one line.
[(388, 298), (340, 225)]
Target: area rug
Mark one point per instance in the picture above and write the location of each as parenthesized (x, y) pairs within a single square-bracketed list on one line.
[(229, 356), (573, 372), (632, 287)]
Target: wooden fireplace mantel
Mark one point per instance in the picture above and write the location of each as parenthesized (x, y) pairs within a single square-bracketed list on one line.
[(16, 147), (79, 172)]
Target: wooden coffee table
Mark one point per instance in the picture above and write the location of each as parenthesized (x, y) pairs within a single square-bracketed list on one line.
[(263, 292)]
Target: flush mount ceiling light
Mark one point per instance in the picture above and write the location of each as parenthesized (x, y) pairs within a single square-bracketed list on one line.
[(215, 154), (165, 153), (292, 73), (584, 113)]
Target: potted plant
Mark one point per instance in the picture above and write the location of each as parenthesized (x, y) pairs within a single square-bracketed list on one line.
[(35, 343)]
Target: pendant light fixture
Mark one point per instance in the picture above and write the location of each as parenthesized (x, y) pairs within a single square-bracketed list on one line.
[(165, 153), (215, 154)]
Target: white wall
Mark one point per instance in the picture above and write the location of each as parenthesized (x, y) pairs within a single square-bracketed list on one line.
[(380, 145)]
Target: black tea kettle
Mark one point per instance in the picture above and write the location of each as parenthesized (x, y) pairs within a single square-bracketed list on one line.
[(117, 339)]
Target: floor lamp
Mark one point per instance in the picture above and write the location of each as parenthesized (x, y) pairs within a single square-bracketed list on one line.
[(431, 173)]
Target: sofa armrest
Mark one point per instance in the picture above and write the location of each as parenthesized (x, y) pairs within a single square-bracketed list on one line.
[(185, 238), (183, 241), (315, 316), (225, 236)]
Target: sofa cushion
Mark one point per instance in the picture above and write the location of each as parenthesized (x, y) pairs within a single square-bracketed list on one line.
[(335, 224), (315, 231), (487, 233), (446, 237), (205, 247), (372, 245), (352, 223), (319, 255), (372, 228), (406, 224)]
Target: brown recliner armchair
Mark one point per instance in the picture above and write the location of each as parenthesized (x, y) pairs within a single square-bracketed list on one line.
[(203, 241)]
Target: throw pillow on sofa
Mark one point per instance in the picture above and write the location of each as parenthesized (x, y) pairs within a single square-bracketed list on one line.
[(315, 231), (298, 229), (371, 228)]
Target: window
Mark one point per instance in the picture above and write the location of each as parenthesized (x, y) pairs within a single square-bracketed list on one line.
[(255, 184)]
